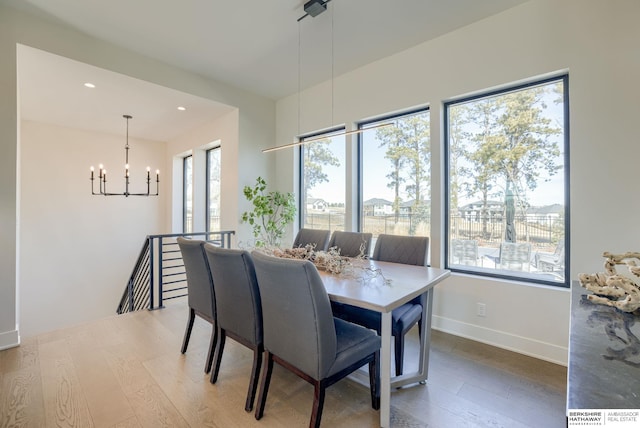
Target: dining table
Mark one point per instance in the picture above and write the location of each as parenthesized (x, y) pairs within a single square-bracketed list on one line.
[(382, 287)]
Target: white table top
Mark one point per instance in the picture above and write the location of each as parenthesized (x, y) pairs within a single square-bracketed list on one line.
[(362, 288)]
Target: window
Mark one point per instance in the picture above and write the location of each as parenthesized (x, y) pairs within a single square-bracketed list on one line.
[(395, 170), (213, 189), (323, 181), (507, 187), (187, 194)]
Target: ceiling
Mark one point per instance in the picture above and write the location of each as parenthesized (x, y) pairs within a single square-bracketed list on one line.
[(250, 44)]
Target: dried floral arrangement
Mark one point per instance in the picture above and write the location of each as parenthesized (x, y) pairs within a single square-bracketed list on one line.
[(331, 261)]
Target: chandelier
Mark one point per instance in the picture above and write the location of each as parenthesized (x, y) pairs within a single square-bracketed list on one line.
[(102, 175)]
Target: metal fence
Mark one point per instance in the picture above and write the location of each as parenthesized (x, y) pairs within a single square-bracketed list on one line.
[(542, 231)]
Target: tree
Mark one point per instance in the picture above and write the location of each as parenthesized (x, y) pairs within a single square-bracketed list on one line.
[(526, 147), (390, 138), (317, 155), (513, 144), (458, 118), (483, 174), (417, 151), (408, 150)]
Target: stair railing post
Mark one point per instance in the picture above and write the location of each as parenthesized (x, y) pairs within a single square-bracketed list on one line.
[(131, 302), (152, 269), (160, 273)]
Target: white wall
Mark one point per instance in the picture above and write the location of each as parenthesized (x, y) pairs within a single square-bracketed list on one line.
[(78, 250), (255, 129), (596, 42), (224, 132)]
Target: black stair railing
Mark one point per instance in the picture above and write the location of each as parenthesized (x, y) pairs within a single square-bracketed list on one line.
[(159, 274), (136, 293)]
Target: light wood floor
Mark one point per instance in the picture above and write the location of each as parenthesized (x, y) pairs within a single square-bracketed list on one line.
[(127, 371)]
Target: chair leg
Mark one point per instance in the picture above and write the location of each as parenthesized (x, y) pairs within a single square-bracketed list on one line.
[(264, 387), (399, 351), (374, 380), (318, 403), (187, 333), (218, 355), (253, 382), (212, 345)]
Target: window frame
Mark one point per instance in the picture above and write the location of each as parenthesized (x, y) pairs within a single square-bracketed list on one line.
[(564, 78), (208, 184), (185, 193)]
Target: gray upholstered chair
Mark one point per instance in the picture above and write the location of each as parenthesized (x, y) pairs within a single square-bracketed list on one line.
[(201, 297), (411, 250), (351, 244), (301, 334), (238, 308), (317, 237)]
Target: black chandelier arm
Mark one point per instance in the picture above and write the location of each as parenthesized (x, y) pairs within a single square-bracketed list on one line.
[(103, 189), (92, 189), (143, 194)]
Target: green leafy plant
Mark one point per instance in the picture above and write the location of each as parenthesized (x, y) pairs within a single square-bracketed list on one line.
[(271, 213)]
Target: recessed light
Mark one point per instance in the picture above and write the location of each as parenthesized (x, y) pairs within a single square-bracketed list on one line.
[(89, 85), (182, 108)]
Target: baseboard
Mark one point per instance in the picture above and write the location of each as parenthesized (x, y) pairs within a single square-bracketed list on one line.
[(522, 345), (9, 339)]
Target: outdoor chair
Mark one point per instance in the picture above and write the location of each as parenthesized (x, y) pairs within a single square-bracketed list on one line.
[(546, 262), (201, 298), (351, 244), (301, 334), (319, 238), (411, 250), (464, 251), (515, 256), (239, 312)]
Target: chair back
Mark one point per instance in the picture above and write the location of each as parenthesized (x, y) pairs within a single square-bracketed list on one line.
[(559, 252), (236, 289), (515, 255), (317, 237), (409, 250), (351, 243), (297, 318), (464, 251), (199, 283)]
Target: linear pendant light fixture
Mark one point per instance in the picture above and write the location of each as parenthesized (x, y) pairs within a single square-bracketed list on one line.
[(314, 8), (324, 137), (102, 175)]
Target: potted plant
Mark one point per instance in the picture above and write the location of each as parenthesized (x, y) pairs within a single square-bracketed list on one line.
[(271, 213)]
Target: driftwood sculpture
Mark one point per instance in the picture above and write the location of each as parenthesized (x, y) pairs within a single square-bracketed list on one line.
[(618, 290)]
